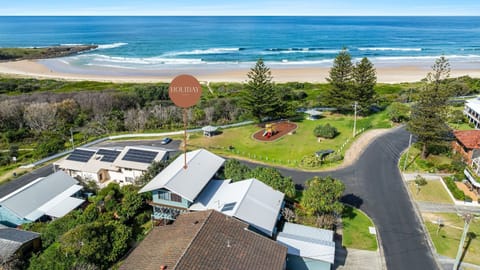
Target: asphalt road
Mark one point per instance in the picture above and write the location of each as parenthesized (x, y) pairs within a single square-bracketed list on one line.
[(23, 180), (373, 184)]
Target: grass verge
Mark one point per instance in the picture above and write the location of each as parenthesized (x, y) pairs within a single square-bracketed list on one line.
[(433, 191), (355, 230), (448, 238)]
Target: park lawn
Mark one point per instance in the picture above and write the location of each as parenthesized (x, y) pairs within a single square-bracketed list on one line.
[(433, 191), (447, 241), (415, 163), (355, 230), (289, 149)]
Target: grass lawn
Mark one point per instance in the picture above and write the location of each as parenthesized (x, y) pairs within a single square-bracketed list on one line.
[(355, 230), (290, 149), (448, 239), (433, 191), (415, 163)]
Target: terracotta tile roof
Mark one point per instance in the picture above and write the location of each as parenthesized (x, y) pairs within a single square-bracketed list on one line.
[(469, 138), (206, 240)]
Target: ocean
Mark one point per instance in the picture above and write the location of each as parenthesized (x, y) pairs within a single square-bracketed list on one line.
[(149, 43)]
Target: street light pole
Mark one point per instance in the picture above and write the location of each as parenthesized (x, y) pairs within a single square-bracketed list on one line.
[(355, 118), (467, 217), (406, 155), (71, 138)]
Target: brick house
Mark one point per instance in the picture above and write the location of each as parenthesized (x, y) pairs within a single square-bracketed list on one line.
[(467, 144)]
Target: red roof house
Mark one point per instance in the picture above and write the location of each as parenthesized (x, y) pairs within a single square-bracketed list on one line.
[(467, 143)]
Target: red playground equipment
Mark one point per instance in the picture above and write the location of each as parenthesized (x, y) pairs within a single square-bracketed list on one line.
[(269, 130)]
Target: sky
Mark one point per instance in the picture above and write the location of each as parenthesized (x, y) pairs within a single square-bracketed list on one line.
[(243, 7)]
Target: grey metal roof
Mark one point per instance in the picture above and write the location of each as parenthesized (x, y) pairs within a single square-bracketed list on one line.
[(249, 200), (201, 167), (16, 235), (306, 231), (308, 242), (12, 239), (28, 199), (209, 128)]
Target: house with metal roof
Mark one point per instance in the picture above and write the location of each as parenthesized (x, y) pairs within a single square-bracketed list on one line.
[(249, 200), (206, 240), (175, 188), (309, 248), (472, 111), (17, 243), (53, 196), (105, 165)]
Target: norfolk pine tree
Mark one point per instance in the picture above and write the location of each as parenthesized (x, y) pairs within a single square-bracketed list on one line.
[(340, 78), (259, 97), (428, 115), (365, 78)]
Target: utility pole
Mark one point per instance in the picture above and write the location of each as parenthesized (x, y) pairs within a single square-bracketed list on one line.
[(467, 218), (406, 155), (355, 118), (71, 138)]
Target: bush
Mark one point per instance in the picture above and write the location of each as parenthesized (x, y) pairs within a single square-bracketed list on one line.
[(456, 192), (311, 161), (326, 131), (398, 112), (335, 157)]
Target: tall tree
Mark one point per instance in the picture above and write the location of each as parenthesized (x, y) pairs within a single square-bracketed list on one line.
[(365, 78), (259, 97), (428, 115), (340, 79)]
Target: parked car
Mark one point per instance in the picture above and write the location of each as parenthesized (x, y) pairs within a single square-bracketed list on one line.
[(166, 140)]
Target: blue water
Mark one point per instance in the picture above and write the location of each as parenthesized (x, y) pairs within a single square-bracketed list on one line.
[(151, 42)]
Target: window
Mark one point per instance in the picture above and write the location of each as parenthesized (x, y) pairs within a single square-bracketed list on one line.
[(164, 195), (175, 197), (129, 179)]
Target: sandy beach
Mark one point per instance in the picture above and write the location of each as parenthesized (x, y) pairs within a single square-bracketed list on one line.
[(386, 74)]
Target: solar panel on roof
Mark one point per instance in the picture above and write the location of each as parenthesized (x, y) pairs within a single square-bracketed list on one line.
[(141, 156), (80, 155), (108, 155), (228, 206)]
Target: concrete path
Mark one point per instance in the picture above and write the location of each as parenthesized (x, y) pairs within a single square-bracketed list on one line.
[(447, 208)]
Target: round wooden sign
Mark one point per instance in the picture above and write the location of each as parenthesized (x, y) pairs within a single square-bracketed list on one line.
[(185, 91)]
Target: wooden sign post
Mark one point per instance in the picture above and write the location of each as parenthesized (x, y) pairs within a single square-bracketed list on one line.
[(185, 91)]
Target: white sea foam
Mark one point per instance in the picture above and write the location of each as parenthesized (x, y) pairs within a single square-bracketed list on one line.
[(426, 57), (112, 45), (71, 44), (205, 51), (99, 58), (298, 50), (391, 49)]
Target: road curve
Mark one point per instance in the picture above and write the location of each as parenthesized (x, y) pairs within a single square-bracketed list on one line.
[(374, 184)]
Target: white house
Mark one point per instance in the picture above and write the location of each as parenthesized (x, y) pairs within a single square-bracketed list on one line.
[(176, 190), (472, 111), (106, 165), (53, 196), (249, 200)]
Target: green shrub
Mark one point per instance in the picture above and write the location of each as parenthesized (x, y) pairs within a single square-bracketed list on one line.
[(334, 158), (456, 192), (398, 112), (311, 161), (325, 131)]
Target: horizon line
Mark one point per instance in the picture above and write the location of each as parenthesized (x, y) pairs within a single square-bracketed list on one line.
[(231, 15)]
